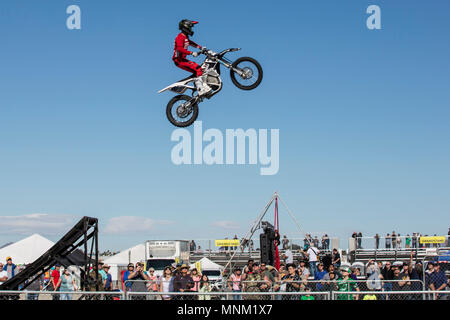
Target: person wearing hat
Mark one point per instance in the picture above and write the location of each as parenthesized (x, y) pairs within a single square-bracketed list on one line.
[(10, 268), (347, 284), (183, 282), (138, 279), (108, 283)]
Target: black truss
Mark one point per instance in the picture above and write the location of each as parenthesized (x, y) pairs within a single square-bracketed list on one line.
[(65, 252)]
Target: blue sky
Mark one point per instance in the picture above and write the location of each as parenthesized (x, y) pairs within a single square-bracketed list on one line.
[(363, 116)]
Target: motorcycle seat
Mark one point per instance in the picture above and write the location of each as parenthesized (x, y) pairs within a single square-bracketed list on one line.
[(190, 77)]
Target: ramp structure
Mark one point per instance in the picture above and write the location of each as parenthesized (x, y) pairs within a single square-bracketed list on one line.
[(65, 252)]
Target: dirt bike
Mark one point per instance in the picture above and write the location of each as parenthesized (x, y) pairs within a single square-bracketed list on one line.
[(246, 74)]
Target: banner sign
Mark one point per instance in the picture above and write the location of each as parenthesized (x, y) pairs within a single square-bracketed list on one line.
[(227, 243), (432, 239)]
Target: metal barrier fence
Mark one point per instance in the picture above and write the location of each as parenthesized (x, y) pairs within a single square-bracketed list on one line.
[(396, 243), (208, 245), (254, 296), (61, 295), (279, 288)]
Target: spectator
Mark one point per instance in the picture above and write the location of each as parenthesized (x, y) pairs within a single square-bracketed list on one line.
[(292, 281), (331, 270), (249, 265), (196, 278), (327, 242), (387, 275), (192, 246), (370, 297), (307, 296), (400, 283), (415, 275), (102, 273), (33, 284), (372, 268), (204, 287), (394, 240), (285, 243), (268, 274), (414, 240), (303, 271), (374, 275), (166, 284), (3, 274), (138, 280), (313, 257), (66, 283), (288, 257), (235, 283), (354, 274), (153, 284), (388, 241), (438, 281), (10, 268), (377, 241), (183, 282), (96, 282), (125, 278), (316, 242), (408, 241), (336, 259), (252, 281), (235, 238), (399, 241), (347, 284), (330, 284), (360, 240), (108, 283), (321, 272), (54, 281)]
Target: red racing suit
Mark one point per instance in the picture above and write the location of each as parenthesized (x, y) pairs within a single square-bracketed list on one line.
[(182, 42)]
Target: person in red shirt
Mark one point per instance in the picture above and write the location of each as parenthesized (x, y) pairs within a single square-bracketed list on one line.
[(180, 52), (54, 281)]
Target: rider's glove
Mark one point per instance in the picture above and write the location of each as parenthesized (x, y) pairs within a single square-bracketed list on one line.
[(195, 54)]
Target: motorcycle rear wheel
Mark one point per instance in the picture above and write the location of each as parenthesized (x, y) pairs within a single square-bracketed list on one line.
[(177, 118), (251, 66)]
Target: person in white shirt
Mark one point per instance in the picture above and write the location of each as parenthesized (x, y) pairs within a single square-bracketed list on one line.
[(3, 274), (313, 254), (288, 257)]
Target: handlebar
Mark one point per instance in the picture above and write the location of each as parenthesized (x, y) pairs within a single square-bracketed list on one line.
[(209, 52)]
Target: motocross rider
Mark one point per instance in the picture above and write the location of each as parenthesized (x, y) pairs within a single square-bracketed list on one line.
[(182, 42)]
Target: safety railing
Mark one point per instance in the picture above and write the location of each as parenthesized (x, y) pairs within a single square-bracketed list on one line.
[(207, 246), (384, 243), (304, 285), (62, 295), (343, 294)]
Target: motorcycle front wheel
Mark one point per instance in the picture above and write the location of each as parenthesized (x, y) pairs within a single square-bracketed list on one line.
[(181, 112), (250, 73)]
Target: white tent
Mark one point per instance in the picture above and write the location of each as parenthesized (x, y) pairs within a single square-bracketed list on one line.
[(26, 250), (207, 264), (123, 258)]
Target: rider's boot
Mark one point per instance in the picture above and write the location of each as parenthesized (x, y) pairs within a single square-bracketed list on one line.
[(202, 87)]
